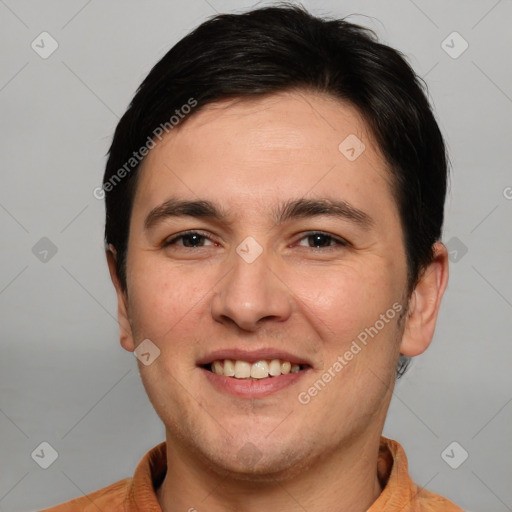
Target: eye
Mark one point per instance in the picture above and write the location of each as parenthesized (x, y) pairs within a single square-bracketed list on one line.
[(195, 239), (190, 239), (320, 240)]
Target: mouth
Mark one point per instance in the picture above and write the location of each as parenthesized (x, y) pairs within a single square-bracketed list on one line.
[(262, 369), (252, 375)]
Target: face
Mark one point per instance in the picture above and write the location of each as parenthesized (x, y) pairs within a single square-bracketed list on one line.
[(292, 257)]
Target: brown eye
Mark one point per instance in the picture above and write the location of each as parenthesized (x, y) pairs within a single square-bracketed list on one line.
[(321, 240), (190, 240)]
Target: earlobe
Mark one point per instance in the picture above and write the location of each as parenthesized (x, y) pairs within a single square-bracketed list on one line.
[(424, 304), (125, 330)]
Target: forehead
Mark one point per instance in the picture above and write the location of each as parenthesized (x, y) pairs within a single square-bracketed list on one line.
[(291, 120), (256, 148)]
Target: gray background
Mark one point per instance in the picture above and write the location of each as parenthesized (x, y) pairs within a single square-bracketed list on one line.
[(64, 378)]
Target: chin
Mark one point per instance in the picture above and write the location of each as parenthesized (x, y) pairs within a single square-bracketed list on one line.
[(263, 463)]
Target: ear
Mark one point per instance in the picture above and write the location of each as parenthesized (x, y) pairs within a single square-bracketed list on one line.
[(125, 330), (424, 304)]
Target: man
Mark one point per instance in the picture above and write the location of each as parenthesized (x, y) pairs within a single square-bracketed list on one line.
[(274, 205)]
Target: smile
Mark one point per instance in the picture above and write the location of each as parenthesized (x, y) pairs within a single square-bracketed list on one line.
[(258, 370), (255, 373)]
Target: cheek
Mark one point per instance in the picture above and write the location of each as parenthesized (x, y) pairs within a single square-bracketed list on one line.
[(163, 299), (345, 300)]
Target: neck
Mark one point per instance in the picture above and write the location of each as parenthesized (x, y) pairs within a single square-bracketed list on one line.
[(344, 480)]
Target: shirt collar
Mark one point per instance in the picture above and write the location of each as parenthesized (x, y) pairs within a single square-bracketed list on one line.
[(399, 490)]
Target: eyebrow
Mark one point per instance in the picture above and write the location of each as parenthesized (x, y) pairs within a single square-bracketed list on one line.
[(289, 210)]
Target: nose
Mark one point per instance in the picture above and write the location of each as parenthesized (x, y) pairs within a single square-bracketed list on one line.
[(251, 294)]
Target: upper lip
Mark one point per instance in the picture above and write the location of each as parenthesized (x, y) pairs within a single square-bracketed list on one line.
[(252, 356)]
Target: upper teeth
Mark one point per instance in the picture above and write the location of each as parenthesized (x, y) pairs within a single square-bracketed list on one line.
[(257, 370)]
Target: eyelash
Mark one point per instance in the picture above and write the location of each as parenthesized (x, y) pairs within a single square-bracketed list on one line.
[(338, 241)]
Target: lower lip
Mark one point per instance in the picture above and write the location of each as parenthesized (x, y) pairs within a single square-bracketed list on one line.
[(252, 388)]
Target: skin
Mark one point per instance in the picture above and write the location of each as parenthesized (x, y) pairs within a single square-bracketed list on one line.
[(249, 156)]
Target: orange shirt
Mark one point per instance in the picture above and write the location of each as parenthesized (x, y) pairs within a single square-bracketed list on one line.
[(137, 494)]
